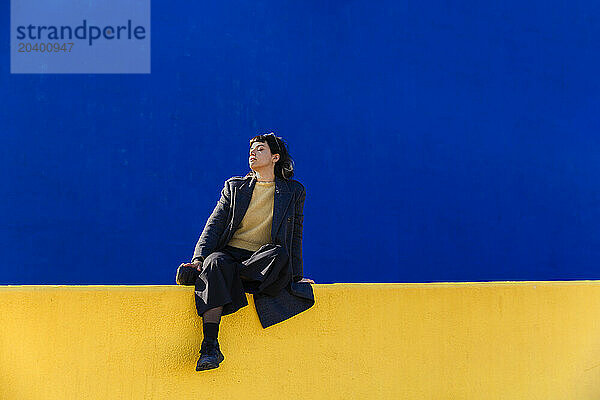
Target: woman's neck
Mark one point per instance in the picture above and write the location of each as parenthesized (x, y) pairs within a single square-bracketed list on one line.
[(265, 176)]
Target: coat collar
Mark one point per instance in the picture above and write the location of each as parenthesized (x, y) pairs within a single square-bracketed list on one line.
[(281, 201)]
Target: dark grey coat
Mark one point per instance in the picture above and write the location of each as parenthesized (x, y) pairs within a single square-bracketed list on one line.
[(286, 230)]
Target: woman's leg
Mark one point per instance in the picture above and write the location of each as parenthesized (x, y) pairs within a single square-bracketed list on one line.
[(212, 292), (227, 275), (217, 287), (218, 291), (213, 315), (210, 324), (266, 270)]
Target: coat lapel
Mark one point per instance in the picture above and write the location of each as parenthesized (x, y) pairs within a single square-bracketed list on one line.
[(281, 201), (242, 195)]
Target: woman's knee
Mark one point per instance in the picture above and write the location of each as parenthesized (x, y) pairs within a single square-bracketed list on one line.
[(218, 260)]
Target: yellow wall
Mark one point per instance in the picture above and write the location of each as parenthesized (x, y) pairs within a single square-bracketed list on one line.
[(494, 340)]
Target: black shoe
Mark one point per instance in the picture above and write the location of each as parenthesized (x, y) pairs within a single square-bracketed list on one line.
[(210, 355)]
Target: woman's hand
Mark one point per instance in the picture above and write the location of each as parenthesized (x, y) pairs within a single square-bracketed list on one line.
[(195, 264), (306, 280)]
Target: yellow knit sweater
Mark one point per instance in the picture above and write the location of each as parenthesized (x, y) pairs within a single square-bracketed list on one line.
[(255, 228)]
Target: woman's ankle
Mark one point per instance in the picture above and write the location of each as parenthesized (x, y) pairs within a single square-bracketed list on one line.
[(210, 330)]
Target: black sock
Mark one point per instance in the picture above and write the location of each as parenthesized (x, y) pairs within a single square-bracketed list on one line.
[(211, 330)]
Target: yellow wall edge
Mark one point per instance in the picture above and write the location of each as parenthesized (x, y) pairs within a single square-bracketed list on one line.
[(439, 340)]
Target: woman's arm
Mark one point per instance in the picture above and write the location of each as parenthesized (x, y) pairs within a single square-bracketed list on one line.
[(214, 226)]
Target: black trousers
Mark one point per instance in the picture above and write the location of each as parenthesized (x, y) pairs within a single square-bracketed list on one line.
[(228, 274)]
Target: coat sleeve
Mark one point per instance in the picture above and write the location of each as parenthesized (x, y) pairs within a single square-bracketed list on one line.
[(214, 226), (297, 263)]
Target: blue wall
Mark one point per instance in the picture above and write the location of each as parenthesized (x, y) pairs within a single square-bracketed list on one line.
[(436, 141)]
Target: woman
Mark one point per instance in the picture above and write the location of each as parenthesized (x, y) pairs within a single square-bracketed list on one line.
[(252, 242)]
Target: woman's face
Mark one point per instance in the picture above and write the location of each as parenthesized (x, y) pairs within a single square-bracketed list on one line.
[(260, 156)]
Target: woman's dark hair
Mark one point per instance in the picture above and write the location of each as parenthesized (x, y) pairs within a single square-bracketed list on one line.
[(284, 167)]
